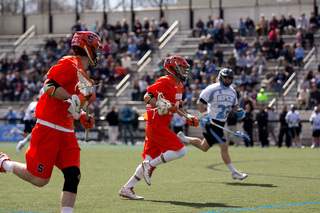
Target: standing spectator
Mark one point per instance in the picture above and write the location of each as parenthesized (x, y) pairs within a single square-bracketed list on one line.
[(135, 121), (126, 117), (135, 94), (143, 85), (315, 123), (293, 119), (314, 96), (142, 48), (262, 122), (229, 35), (280, 79), (272, 124), (76, 27), (177, 123), (113, 129), (154, 28), (248, 125), (11, 116), (209, 21), (284, 129)]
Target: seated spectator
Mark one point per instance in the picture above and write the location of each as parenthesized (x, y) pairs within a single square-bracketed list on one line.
[(209, 46), (212, 31), (187, 101), (277, 46), (249, 62), (283, 24), (231, 62), (137, 26), (163, 26), (249, 25), (241, 63), (243, 80), (142, 48), (283, 54), (268, 81), (280, 79), (143, 85), (126, 62), (199, 29), (299, 36), (302, 22), (135, 94), (291, 24), (51, 44), (266, 47), (274, 23), (292, 53), (219, 37), (260, 62), (244, 45), (314, 96), (119, 71), (254, 80), (218, 56), (209, 21), (229, 35), (303, 98), (256, 45), (262, 27), (154, 28), (313, 22), (299, 55), (241, 27), (246, 100), (308, 38), (238, 45)]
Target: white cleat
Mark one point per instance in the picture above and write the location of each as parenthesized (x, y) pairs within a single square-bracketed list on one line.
[(129, 193), (20, 146), (3, 157), (13, 130), (238, 175), (183, 138), (147, 171)]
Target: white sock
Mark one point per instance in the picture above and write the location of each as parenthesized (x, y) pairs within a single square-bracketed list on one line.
[(133, 180), (66, 209), (231, 168), (8, 165), (169, 156), (157, 161)]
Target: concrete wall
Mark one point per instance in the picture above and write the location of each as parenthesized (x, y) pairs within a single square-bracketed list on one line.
[(62, 22)]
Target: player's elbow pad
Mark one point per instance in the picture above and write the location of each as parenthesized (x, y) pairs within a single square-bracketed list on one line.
[(50, 86)]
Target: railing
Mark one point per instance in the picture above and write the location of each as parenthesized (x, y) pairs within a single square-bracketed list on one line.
[(23, 40)]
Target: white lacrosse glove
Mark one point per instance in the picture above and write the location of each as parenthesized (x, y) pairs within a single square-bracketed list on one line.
[(166, 108), (75, 104)]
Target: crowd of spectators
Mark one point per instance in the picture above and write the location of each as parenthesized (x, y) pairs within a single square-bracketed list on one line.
[(23, 77)]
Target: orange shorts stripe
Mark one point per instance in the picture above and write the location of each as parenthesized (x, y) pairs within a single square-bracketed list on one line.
[(160, 139), (50, 147)]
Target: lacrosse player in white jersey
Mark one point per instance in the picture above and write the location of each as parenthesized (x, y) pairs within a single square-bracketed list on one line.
[(315, 123), (293, 119), (215, 103)]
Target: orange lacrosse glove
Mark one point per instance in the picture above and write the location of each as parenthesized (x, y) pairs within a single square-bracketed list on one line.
[(194, 121), (86, 100), (87, 124), (172, 110)]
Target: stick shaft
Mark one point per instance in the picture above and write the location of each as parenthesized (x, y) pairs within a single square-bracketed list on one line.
[(87, 130), (184, 115)]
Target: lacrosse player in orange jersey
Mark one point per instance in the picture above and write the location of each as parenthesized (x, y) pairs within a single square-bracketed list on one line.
[(53, 140), (161, 144)]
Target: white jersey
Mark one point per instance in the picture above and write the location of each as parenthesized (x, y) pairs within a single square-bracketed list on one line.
[(315, 120), (293, 119), (219, 101), (30, 111)]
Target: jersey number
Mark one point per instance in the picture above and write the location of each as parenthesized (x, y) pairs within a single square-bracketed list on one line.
[(224, 111)]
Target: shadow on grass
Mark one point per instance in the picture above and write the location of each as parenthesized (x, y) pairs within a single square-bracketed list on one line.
[(194, 205), (250, 184)]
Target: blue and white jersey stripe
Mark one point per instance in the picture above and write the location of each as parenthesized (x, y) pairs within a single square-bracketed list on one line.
[(220, 101)]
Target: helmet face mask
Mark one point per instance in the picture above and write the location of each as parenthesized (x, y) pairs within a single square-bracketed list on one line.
[(90, 43), (226, 77), (177, 66)]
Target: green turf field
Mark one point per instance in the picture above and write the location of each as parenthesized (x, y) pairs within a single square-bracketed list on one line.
[(279, 180)]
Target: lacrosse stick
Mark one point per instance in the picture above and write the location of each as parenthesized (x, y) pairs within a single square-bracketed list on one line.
[(86, 86), (237, 133)]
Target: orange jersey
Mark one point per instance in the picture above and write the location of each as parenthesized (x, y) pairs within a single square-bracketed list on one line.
[(54, 110), (172, 91)]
